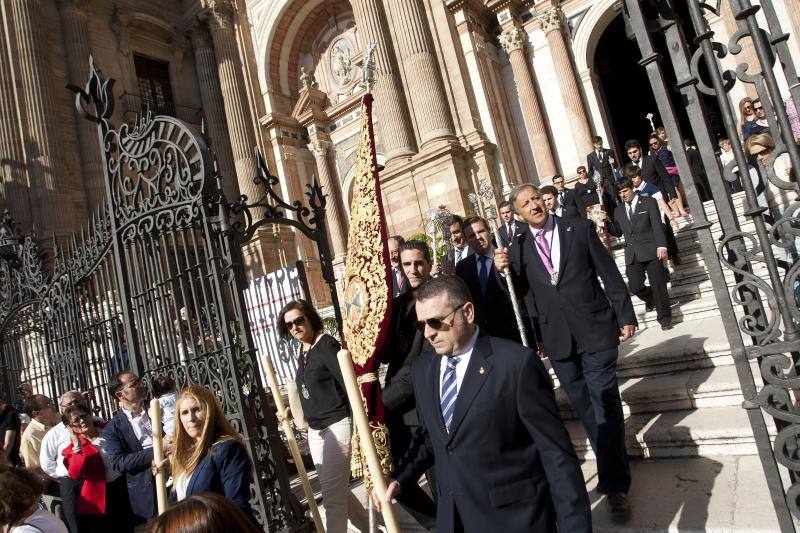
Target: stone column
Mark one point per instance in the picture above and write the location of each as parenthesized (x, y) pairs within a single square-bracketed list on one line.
[(514, 41), (219, 15), (333, 214), (397, 133), (53, 209), (214, 109), (423, 77), (551, 22), (13, 180), (76, 41)]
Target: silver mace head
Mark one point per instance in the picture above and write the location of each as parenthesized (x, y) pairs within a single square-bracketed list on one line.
[(473, 199), (597, 178)]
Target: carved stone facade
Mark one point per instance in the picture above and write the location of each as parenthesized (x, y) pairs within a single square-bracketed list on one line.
[(504, 89)]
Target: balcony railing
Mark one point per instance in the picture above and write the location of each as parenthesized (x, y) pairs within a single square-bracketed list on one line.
[(134, 105)]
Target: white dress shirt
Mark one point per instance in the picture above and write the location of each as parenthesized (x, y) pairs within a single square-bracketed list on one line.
[(456, 257), (142, 427), (552, 237), (461, 367), (50, 458)]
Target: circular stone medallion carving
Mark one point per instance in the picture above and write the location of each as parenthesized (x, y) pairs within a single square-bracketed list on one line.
[(342, 67)]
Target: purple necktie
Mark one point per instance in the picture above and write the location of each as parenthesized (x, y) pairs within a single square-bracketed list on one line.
[(544, 250)]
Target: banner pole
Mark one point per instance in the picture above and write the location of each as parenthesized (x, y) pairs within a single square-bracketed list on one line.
[(158, 455)]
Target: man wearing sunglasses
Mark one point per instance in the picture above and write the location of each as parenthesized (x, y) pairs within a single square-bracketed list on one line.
[(405, 345), (490, 426), (559, 264), (129, 441)]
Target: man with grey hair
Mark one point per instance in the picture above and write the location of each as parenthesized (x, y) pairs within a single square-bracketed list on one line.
[(559, 264), (490, 426)]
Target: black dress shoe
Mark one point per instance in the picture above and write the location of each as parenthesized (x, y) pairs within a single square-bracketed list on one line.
[(617, 503), (649, 306), (666, 324)]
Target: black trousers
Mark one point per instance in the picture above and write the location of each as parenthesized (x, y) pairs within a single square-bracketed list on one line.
[(69, 490), (412, 497), (590, 381), (656, 294)]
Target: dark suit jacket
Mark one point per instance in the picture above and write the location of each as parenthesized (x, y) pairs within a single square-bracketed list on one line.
[(653, 171), (127, 457), (603, 167), (577, 306), (644, 232), (493, 311), (226, 470), (519, 228), (404, 346), (507, 463), (569, 211)]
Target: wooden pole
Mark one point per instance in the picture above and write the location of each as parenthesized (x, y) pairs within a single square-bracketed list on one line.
[(293, 447), (365, 437), (158, 454)]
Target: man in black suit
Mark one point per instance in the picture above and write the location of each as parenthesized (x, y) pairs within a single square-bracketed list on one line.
[(559, 261), (129, 442), (405, 345), (566, 197), (550, 197), (698, 170), (603, 161), (493, 311), (653, 170), (490, 426), (639, 219), (510, 226), (399, 281)]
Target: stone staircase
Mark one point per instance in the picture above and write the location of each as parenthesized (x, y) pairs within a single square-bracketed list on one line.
[(689, 438)]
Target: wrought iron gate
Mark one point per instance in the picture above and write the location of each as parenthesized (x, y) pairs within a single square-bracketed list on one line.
[(152, 285), (760, 313)]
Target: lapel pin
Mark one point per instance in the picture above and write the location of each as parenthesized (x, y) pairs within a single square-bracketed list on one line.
[(569, 228), (482, 371)]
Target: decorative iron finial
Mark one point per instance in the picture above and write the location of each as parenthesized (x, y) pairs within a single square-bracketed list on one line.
[(369, 69)]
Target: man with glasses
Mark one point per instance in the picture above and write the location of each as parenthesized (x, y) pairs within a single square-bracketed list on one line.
[(405, 345), (490, 427), (757, 126), (560, 263), (129, 441), (566, 197)]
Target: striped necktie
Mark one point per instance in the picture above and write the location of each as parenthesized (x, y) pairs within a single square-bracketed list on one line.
[(449, 391)]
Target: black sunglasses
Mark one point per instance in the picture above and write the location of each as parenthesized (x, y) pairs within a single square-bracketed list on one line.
[(299, 321), (436, 323)]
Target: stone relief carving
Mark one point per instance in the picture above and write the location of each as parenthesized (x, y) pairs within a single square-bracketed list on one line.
[(342, 67)]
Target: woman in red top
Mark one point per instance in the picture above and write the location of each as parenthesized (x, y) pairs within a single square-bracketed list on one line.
[(102, 504)]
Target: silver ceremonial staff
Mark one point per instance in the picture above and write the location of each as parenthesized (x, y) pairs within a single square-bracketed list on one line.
[(486, 197)]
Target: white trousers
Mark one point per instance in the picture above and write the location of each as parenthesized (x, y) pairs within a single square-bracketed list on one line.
[(330, 450)]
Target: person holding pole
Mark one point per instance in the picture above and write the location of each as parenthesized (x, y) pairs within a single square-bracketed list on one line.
[(490, 426), (325, 406), (102, 504), (208, 454)]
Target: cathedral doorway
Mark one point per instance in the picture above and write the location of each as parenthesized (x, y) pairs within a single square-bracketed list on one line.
[(625, 90)]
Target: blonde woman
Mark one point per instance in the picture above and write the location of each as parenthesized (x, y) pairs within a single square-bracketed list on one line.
[(208, 455)]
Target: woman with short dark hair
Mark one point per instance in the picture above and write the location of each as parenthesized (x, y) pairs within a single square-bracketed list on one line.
[(324, 400)]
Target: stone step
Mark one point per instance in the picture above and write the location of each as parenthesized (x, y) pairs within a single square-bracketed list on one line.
[(691, 389), (680, 433), (689, 495)]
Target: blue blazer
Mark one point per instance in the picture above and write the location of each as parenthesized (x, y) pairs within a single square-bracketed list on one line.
[(128, 457), (225, 470)]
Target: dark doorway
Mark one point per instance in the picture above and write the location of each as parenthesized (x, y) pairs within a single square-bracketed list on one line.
[(626, 93)]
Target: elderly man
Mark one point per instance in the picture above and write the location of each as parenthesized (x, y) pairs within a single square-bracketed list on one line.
[(490, 426), (43, 417)]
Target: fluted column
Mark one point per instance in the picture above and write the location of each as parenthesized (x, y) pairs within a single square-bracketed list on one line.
[(219, 15), (423, 77), (390, 104), (551, 22), (76, 41), (13, 179), (333, 214), (514, 41), (214, 108), (53, 208)]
